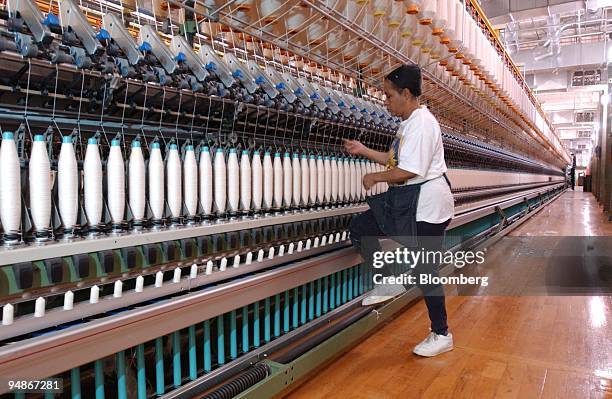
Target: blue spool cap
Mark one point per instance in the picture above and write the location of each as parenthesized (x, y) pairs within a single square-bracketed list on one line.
[(135, 144), (189, 148), (51, 20), (326, 158), (266, 153), (7, 136), (67, 139), (232, 151), (92, 140), (173, 146), (280, 86), (39, 137), (260, 80), (245, 152), (314, 96), (103, 35), (155, 145), (277, 155), (333, 158), (299, 91), (319, 157), (256, 152), (180, 57), (205, 149), (304, 156), (296, 155), (211, 66), (287, 155), (312, 156), (219, 150), (145, 47), (237, 74), (115, 143)]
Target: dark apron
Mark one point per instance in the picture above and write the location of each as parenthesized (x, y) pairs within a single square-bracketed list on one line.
[(395, 211)]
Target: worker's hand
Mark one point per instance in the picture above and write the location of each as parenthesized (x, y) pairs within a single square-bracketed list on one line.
[(354, 147), (369, 181)]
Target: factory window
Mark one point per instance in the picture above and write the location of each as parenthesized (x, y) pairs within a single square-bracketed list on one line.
[(586, 78), (584, 116)]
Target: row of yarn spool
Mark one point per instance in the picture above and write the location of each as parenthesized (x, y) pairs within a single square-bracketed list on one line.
[(182, 186), (441, 32)]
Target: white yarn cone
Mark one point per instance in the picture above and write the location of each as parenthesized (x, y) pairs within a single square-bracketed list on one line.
[(175, 180), (190, 181), (268, 181), (136, 181), (245, 181), (67, 183), (297, 180), (115, 183), (233, 181), (92, 168), (206, 181), (278, 181), (156, 181), (220, 181), (257, 170), (40, 185), (287, 180)]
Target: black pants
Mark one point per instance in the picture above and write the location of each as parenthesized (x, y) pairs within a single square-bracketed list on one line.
[(365, 234)]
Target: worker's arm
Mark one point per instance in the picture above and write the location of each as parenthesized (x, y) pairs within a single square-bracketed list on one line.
[(394, 176), (354, 147)]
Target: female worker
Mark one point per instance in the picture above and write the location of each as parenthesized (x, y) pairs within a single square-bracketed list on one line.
[(418, 205)]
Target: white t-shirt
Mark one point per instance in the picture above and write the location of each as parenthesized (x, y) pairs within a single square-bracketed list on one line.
[(418, 148)]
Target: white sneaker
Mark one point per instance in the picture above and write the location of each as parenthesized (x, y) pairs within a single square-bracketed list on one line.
[(383, 293), (434, 344)]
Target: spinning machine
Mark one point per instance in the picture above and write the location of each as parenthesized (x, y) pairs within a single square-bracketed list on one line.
[(175, 196)]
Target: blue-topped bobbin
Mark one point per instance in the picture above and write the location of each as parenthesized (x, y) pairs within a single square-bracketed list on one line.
[(232, 151), (67, 139), (103, 35), (51, 20), (173, 146), (219, 150), (115, 143), (135, 144), (145, 47), (204, 149), (245, 152), (189, 148), (7, 136), (155, 145), (92, 140), (39, 137)]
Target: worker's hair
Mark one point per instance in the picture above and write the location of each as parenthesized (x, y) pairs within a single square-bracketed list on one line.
[(407, 76)]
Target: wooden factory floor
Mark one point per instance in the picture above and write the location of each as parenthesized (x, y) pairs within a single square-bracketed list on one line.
[(505, 346)]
